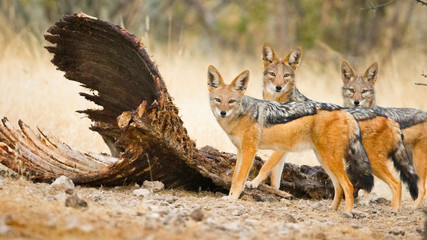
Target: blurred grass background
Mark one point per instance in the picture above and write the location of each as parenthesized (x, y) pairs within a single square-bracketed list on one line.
[(186, 36)]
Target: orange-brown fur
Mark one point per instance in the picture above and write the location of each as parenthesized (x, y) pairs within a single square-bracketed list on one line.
[(415, 137), (379, 135), (327, 131)]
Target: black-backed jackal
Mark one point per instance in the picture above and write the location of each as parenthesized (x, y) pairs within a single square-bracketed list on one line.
[(381, 136), (253, 124), (358, 91)]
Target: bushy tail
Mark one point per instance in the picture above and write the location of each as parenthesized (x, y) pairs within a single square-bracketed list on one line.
[(403, 163), (358, 166)]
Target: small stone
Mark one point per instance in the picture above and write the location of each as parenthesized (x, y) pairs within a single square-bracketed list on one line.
[(348, 214), (139, 214), (358, 214), (397, 231), (153, 185), (141, 192), (69, 191), (75, 202), (220, 194), (236, 212), (171, 200), (62, 184), (197, 215), (382, 200), (290, 218)]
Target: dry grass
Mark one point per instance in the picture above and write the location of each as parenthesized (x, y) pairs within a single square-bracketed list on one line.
[(32, 89)]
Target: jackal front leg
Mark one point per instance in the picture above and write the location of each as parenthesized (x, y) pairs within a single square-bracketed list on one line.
[(247, 158), (236, 170)]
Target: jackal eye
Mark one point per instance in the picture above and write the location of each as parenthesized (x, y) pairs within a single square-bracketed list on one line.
[(217, 100), (231, 101), (272, 74), (287, 75), (351, 90), (365, 91)]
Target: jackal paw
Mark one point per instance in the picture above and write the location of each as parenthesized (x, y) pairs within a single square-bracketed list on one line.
[(251, 184)]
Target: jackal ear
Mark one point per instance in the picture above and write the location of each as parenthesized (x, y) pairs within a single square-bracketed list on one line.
[(347, 71), (293, 58), (371, 73), (240, 83), (214, 78), (268, 54)]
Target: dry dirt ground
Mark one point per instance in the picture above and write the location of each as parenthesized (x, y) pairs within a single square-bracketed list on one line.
[(37, 211)]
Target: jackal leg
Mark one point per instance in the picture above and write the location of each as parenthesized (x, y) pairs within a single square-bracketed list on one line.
[(420, 160), (380, 170), (334, 167), (276, 173), (247, 159), (275, 162), (236, 170)]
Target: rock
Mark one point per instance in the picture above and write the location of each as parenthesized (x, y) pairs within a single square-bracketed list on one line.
[(348, 214), (220, 194), (141, 192), (197, 215), (358, 214), (1, 182), (154, 186), (382, 200), (289, 218), (62, 184), (397, 231), (75, 202)]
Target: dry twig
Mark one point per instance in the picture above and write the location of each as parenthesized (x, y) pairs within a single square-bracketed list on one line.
[(424, 3), (374, 7)]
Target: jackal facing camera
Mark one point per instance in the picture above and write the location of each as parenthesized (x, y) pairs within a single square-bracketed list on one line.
[(358, 91)]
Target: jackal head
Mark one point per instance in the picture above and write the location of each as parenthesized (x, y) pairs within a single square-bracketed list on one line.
[(358, 91), (225, 100), (279, 74)]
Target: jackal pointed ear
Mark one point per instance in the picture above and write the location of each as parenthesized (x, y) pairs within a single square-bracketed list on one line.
[(268, 54), (293, 57), (214, 78), (240, 83), (347, 71), (371, 73)]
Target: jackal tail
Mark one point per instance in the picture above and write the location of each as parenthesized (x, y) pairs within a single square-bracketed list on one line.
[(359, 168), (403, 163)]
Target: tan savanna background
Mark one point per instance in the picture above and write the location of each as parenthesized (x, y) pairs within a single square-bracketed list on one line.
[(184, 37)]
